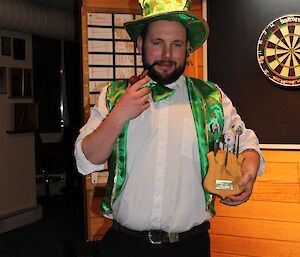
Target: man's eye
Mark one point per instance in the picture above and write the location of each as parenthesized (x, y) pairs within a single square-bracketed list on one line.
[(156, 43), (177, 44)]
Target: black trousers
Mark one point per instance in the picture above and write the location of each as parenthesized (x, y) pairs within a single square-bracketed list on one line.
[(119, 244)]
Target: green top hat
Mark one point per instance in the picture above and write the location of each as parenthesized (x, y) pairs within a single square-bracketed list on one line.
[(173, 10)]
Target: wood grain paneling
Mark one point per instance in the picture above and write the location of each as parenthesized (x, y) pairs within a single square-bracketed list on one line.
[(194, 66), (276, 192), (227, 255), (278, 156), (85, 65), (256, 228), (97, 225), (257, 247), (118, 6), (261, 210), (268, 224)]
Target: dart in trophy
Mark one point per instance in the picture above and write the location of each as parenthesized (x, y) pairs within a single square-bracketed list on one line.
[(225, 166)]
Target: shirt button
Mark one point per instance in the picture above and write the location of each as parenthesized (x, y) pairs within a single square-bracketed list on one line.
[(156, 219)]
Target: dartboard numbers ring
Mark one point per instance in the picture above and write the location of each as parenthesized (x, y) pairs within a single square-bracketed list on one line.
[(278, 51)]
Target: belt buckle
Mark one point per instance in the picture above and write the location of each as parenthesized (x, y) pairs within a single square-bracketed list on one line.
[(173, 237), (151, 240)]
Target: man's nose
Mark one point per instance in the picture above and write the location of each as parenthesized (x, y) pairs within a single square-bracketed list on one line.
[(167, 53)]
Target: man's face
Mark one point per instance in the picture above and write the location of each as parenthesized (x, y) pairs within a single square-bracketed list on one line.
[(165, 45)]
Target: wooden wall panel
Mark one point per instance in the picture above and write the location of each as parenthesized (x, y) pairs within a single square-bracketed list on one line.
[(85, 65), (278, 192), (252, 247), (97, 225), (261, 210), (121, 6), (194, 66), (256, 228), (268, 224), (226, 255), (277, 156)]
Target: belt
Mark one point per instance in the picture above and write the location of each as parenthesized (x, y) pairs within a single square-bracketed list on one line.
[(159, 236)]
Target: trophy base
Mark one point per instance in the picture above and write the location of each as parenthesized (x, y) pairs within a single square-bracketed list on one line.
[(223, 176)]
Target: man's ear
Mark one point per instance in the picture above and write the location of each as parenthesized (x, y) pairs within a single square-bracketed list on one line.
[(188, 47), (139, 43)]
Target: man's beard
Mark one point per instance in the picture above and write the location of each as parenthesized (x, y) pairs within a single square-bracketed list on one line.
[(159, 78)]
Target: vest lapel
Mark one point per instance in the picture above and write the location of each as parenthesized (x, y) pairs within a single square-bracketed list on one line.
[(117, 159), (202, 101)]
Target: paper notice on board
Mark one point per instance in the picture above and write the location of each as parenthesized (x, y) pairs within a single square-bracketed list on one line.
[(101, 19)]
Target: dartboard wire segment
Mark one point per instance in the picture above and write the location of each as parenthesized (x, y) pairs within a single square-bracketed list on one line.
[(278, 51)]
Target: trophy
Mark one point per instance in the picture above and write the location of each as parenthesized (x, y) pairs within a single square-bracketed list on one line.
[(225, 167)]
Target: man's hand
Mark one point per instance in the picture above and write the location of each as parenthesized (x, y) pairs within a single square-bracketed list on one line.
[(133, 102), (98, 145), (249, 169)]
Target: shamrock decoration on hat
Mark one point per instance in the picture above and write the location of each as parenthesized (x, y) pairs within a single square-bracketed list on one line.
[(173, 10)]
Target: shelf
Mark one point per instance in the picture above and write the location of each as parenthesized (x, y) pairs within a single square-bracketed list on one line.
[(20, 132)]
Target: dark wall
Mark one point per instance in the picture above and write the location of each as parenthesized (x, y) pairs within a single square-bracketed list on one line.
[(235, 26)]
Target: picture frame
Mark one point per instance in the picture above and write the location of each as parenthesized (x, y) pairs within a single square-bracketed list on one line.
[(3, 80), (28, 82), (25, 117), (15, 82), (20, 83), (6, 46), (19, 49)]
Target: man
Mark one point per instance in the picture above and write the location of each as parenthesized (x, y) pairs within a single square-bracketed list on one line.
[(156, 139)]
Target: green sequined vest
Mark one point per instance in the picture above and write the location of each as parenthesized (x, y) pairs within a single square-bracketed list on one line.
[(206, 105)]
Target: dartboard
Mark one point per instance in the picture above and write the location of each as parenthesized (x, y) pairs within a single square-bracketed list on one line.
[(278, 51)]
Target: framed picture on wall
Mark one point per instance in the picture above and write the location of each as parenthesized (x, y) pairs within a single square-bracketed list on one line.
[(15, 82), (6, 46), (20, 82), (3, 80), (19, 49), (28, 86), (25, 117)]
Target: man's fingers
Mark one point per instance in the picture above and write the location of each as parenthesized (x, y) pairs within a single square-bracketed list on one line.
[(143, 91), (145, 98), (146, 106), (246, 178), (139, 84), (133, 79), (238, 199)]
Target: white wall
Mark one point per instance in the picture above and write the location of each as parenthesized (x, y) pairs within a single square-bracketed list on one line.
[(17, 151)]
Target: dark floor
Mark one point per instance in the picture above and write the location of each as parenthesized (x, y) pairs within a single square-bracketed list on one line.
[(59, 234)]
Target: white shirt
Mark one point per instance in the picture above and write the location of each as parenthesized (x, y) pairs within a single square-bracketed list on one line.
[(163, 182)]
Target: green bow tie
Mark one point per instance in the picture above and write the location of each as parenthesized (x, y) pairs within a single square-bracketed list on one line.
[(159, 92)]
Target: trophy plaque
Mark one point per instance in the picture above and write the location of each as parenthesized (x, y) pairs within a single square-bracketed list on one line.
[(224, 173)]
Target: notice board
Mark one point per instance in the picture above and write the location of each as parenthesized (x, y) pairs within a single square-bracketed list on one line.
[(111, 53), (271, 111)]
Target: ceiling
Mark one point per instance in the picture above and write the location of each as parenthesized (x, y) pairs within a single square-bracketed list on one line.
[(66, 5)]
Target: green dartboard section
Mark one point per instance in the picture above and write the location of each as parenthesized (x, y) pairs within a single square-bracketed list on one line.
[(278, 51)]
